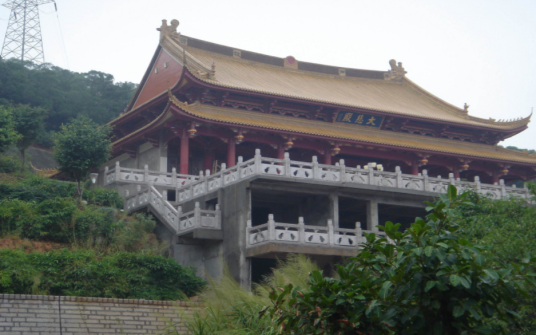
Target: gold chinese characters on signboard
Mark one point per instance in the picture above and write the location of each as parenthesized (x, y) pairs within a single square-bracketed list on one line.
[(359, 119)]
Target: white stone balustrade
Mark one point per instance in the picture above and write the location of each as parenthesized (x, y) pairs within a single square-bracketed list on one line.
[(302, 234), (120, 174), (174, 218), (338, 174)]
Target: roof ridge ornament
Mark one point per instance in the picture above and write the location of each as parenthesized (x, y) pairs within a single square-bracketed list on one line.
[(166, 30), (397, 71)]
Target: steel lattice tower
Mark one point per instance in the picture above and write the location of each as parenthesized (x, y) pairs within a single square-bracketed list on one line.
[(23, 36)]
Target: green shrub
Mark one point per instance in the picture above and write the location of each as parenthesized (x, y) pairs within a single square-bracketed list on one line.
[(94, 225), (103, 197), (86, 273), (9, 164), (37, 189), (16, 214)]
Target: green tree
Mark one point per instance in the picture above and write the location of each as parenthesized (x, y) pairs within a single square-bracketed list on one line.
[(82, 146), (425, 280), (7, 129), (28, 123)]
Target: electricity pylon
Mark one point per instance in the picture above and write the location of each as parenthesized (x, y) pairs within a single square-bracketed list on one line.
[(23, 36)]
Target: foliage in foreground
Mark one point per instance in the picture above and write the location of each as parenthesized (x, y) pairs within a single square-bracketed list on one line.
[(230, 309), (507, 227), (426, 280), (86, 273)]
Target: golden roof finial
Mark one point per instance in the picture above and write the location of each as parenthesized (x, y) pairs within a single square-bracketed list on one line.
[(166, 30)]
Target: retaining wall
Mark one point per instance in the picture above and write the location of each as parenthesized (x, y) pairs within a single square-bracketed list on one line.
[(37, 314)]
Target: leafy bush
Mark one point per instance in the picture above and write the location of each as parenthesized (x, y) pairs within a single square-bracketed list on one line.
[(9, 164), (426, 280), (15, 214), (103, 197), (37, 189), (86, 273)]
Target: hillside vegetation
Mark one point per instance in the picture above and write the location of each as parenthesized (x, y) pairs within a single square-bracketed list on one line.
[(62, 94), (92, 250)]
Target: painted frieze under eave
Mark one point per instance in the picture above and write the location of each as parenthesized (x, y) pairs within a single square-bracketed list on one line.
[(165, 73)]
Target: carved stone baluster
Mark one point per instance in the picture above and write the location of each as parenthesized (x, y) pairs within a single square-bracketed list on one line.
[(197, 215), (146, 173), (117, 172), (301, 230), (426, 180), (358, 233), (218, 217), (271, 227), (179, 214), (342, 168), (258, 161), (398, 172), (503, 188), (239, 168), (452, 180), (371, 173), (174, 181), (331, 233), (106, 170), (316, 171), (477, 183), (288, 173)]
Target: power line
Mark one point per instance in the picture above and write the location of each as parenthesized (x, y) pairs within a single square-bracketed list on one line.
[(23, 38)]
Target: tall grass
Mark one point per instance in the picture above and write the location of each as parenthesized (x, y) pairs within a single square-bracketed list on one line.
[(232, 309)]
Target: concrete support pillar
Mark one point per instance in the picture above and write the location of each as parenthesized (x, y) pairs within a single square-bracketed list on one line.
[(185, 153), (280, 151), (334, 209), (327, 158), (231, 153), (415, 169), (372, 215), (207, 161)]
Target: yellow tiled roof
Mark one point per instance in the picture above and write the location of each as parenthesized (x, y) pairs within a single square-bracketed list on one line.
[(351, 132), (395, 97)]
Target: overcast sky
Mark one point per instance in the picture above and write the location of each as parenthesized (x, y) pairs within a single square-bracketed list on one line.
[(482, 52)]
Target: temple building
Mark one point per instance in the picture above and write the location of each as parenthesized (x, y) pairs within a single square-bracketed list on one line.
[(244, 158)]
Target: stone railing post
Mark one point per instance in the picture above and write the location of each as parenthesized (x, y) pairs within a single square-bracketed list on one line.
[(174, 181), (527, 193), (222, 174), (316, 172), (146, 173), (426, 181), (218, 216), (271, 227), (477, 183), (258, 161), (358, 232), (179, 214), (398, 177), (503, 188), (452, 180), (331, 233), (164, 196), (138, 189), (370, 168), (197, 215), (287, 165), (301, 230), (239, 167), (342, 168), (125, 203), (117, 172)]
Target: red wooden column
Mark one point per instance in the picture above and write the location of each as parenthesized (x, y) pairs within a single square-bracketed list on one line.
[(495, 178), (231, 153), (207, 161), (280, 151), (327, 158), (415, 169), (185, 147), (456, 174)]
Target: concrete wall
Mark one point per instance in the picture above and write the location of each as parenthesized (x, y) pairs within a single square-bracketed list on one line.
[(34, 314)]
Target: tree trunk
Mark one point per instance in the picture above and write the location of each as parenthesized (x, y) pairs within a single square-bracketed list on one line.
[(80, 190), (23, 157)]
